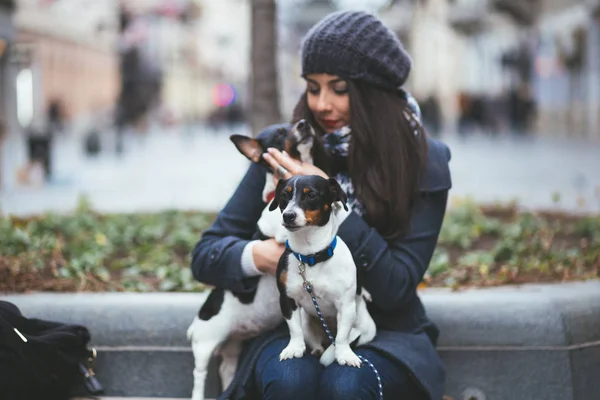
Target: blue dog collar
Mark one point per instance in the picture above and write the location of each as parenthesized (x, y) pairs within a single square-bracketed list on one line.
[(317, 257)]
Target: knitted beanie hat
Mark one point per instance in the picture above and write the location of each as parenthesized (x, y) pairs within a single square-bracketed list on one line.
[(355, 45)]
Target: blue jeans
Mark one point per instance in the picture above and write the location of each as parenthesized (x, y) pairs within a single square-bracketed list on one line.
[(306, 379)]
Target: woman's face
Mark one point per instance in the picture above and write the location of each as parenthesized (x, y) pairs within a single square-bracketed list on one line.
[(327, 97)]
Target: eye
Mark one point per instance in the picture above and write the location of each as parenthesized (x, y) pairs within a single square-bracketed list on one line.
[(340, 88), (312, 89), (311, 195)]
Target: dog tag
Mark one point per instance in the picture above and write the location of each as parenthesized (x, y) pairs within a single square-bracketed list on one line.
[(308, 287)]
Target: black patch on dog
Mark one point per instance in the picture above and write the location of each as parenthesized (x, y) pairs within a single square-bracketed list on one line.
[(258, 235), (337, 193), (212, 305), (359, 281), (287, 304), (252, 148), (245, 298)]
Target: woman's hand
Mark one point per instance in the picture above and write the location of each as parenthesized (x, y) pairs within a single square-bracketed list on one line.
[(277, 159), (266, 255)]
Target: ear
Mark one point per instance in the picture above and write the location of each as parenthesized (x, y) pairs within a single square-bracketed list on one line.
[(275, 202), (337, 193), (248, 146)]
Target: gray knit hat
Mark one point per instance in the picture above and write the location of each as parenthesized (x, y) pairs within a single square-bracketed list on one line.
[(355, 45)]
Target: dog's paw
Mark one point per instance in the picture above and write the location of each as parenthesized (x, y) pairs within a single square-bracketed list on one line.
[(345, 356), (196, 395), (293, 350)]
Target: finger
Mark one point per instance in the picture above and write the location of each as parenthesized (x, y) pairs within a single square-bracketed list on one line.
[(271, 161), (285, 160), (286, 156), (275, 166), (276, 154)]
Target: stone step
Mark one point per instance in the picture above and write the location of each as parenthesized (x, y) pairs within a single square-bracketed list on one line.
[(518, 343)]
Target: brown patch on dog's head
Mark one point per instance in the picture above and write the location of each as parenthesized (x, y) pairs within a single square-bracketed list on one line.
[(291, 149), (313, 217)]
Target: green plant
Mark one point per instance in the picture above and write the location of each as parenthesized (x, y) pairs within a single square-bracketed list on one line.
[(478, 246)]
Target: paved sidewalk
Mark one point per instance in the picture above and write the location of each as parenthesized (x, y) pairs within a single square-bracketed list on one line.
[(201, 170)]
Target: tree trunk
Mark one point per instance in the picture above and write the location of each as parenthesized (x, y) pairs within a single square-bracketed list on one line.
[(264, 109)]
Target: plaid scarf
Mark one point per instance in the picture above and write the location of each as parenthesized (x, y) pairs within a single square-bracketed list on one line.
[(338, 143)]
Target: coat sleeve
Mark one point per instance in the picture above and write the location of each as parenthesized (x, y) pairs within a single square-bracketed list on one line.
[(391, 270), (216, 258)]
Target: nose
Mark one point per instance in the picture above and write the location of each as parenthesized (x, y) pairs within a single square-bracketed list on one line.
[(323, 104), (289, 217)]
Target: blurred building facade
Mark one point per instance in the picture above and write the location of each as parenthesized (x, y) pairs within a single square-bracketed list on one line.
[(68, 46), (490, 66), (6, 85), (7, 93), (506, 65), (196, 45)]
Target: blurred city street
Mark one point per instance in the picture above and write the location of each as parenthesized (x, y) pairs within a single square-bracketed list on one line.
[(169, 72), (199, 168)]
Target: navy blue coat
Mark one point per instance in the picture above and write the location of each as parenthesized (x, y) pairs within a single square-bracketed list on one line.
[(391, 271)]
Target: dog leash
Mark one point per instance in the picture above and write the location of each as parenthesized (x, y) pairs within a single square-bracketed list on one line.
[(308, 287)]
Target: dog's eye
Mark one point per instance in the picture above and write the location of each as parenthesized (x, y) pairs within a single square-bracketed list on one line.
[(311, 195)]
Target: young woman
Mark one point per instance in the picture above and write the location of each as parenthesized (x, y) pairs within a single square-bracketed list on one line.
[(397, 180)]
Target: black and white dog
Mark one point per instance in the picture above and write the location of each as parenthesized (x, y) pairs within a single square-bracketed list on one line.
[(302, 144), (226, 318), (316, 256)]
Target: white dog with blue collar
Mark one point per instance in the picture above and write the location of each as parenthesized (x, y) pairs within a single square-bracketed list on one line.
[(316, 275)]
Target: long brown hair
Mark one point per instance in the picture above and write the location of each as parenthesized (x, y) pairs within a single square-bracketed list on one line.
[(385, 157)]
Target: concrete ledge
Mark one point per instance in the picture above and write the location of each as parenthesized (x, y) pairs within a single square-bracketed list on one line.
[(528, 342)]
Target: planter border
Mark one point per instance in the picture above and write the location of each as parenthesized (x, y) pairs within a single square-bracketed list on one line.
[(518, 342)]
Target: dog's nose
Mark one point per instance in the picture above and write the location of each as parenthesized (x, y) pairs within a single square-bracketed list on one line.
[(301, 124), (289, 217)]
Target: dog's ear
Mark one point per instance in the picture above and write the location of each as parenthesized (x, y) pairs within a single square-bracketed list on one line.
[(275, 202), (337, 193), (248, 146)]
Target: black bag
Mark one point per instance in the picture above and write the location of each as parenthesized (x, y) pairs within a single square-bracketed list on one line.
[(43, 359)]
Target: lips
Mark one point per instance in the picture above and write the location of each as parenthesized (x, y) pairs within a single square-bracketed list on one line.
[(331, 123)]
